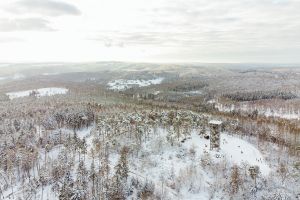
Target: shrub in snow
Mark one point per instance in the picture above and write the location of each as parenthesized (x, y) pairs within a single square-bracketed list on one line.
[(49, 123), (44, 176), (192, 152), (277, 195), (205, 160), (146, 191), (190, 179)]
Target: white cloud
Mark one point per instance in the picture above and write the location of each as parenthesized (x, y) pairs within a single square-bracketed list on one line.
[(25, 24)]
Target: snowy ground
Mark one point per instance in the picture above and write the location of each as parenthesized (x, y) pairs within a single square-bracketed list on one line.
[(40, 92), (122, 84)]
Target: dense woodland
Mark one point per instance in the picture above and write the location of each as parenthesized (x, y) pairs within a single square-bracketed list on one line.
[(258, 95), (100, 163)]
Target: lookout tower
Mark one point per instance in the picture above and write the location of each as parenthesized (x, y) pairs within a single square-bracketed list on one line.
[(214, 134)]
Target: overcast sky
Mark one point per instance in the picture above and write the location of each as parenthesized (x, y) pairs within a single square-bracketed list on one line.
[(150, 30)]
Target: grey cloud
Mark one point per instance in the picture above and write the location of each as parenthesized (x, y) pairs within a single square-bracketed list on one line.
[(24, 24), (122, 39), (231, 22), (107, 43), (44, 7), (208, 40)]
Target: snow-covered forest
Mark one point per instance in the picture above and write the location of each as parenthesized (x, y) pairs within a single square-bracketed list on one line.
[(89, 140)]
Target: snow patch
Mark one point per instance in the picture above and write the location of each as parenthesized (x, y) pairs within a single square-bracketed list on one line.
[(39, 92), (122, 84), (215, 122), (194, 92)]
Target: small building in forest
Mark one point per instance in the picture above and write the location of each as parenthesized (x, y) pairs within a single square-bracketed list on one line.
[(215, 126)]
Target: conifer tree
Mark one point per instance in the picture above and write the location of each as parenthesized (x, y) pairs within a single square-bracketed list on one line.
[(120, 177), (66, 191), (235, 179), (92, 177)]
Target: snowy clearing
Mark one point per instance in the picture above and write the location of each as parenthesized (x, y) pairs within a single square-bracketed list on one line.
[(39, 92), (235, 150), (122, 84)]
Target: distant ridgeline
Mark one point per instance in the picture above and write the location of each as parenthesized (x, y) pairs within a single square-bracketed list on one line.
[(259, 95)]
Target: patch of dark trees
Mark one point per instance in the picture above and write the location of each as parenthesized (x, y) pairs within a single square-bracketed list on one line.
[(260, 95), (188, 86)]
